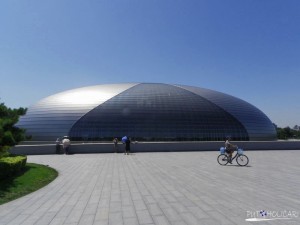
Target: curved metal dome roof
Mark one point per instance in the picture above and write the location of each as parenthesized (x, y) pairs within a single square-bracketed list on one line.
[(146, 111)]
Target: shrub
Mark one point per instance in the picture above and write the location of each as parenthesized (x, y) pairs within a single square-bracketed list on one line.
[(11, 165)]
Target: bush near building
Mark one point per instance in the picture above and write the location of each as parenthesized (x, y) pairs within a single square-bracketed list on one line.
[(11, 165)]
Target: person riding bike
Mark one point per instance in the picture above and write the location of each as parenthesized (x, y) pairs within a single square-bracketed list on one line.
[(230, 148)]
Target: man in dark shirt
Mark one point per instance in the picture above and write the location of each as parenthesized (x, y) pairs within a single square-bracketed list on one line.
[(127, 146), (229, 148)]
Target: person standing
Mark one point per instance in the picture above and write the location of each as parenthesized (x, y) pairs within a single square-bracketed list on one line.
[(66, 145), (57, 143), (127, 146), (115, 141)]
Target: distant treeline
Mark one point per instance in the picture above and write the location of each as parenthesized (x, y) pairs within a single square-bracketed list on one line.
[(288, 133)]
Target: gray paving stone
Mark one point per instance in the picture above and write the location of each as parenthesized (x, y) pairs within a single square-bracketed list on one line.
[(189, 218), (100, 222), (104, 203), (18, 220), (102, 214), (74, 216), (171, 214), (179, 223), (131, 221), (161, 220), (159, 188), (115, 218), (144, 217), (31, 220), (154, 210), (179, 207), (199, 213), (127, 201), (57, 221), (170, 198), (46, 219), (64, 212), (128, 211), (90, 209), (149, 199), (115, 207), (136, 196), (139, 205), (163, 204), (86, 220)]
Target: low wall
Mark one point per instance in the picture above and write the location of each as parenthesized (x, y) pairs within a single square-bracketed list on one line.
[(39, 148)]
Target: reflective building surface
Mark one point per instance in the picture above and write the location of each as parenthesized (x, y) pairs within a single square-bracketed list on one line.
[(145, 112)]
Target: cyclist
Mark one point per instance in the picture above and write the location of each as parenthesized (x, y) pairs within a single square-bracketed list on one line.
[(229, 148)]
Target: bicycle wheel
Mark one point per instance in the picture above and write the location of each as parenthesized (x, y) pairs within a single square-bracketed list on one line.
[(223, 159), (242, 160)]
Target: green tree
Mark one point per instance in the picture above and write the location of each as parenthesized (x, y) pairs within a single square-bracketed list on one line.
[(9, 134)]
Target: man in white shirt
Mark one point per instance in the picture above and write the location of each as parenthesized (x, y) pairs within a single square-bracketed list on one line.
[(66, 144)]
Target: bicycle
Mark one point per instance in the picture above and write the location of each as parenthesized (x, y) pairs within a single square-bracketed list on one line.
[(241, 158)]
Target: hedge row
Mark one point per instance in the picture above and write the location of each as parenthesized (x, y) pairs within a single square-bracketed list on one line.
[(11, 165)]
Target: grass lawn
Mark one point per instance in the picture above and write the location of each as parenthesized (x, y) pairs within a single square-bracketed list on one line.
[(32, 178)]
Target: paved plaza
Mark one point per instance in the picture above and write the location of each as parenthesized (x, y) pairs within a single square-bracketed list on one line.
[(162, 188)]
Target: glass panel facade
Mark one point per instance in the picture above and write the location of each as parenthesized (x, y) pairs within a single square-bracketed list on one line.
[(158, 112), (257, 124), (146, 112)]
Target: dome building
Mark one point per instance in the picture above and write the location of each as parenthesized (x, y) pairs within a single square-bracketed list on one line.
[(145, 112)]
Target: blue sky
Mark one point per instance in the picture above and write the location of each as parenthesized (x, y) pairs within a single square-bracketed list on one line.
[(249, 49)]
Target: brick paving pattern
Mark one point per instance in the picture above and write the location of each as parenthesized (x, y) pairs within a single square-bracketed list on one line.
[(160, 188)]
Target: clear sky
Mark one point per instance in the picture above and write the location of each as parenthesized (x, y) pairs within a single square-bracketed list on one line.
[(249, 49)]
